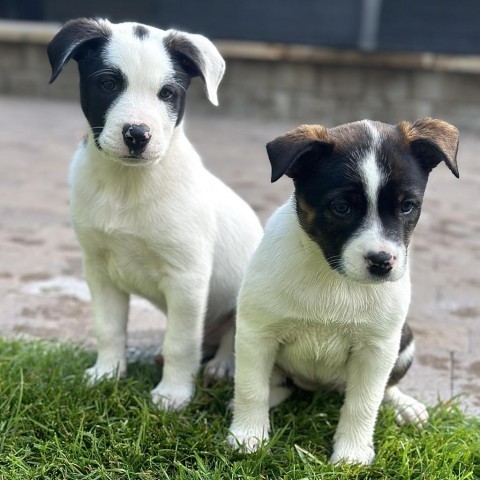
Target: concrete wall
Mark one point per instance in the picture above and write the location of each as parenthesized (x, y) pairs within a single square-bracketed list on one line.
[(305, 84)]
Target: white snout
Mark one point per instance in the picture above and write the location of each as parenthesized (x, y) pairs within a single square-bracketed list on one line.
[(369, 258), (135, 109)]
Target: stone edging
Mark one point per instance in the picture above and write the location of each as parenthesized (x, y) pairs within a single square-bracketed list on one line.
[(42, 33)]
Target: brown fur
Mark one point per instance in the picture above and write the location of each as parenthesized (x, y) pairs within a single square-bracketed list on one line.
[(306, 214), (435, 139)]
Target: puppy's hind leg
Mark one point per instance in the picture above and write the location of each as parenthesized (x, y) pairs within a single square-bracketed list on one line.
[(222, 365), (279, 392), (407, 409)]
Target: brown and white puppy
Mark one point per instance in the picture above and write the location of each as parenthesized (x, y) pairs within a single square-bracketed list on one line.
[(326, 295), (151, 220)]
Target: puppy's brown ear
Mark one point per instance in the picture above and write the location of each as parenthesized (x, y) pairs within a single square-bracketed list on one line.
[(290, 153), (74, 35), (433, 141), (199, 57)]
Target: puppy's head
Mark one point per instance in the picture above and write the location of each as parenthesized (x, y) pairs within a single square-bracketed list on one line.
[(359, 188), (133, 82)]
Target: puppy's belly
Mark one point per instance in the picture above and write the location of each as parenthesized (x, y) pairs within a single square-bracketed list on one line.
[(316, 356), (139, 275)]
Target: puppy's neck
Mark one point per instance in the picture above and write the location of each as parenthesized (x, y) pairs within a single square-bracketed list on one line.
[(139, 182)]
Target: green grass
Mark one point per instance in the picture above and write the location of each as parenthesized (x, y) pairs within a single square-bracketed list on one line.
[(53, 426)]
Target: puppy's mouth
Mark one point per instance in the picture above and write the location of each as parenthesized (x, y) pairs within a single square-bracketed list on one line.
[(367, 278), (120, 153), (134, 160)]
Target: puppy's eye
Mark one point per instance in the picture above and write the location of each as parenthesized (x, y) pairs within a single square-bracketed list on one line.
[(109, 85), (340, 207), (407, 206), (166, 93)]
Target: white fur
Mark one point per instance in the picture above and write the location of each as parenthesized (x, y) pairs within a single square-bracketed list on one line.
[(147, 66), (166, 230), (320, 328), (371, 237)]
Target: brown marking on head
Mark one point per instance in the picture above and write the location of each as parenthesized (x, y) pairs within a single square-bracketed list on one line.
[(332, 201), (432, 141), (306, 214)]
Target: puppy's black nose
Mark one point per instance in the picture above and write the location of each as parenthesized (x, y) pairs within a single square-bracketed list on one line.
[(380, 263), (136, 137)]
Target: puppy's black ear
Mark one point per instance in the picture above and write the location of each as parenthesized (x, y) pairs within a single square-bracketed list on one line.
[(290, 153), (68, 41), (431, 142), (198, 57)]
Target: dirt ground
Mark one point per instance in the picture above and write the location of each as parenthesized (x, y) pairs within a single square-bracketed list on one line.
[(43, 294)]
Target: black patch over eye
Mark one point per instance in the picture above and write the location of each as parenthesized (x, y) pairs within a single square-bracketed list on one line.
[(340, 207), (407, 206), (166, 92), (109, 85)]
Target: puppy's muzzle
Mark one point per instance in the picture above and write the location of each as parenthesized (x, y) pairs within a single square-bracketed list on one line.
[(136, 138), (380, 263)]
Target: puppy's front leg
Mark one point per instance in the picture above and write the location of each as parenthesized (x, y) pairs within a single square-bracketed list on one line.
[(255, 356), (110, 315), (368, 371), (182, 347)]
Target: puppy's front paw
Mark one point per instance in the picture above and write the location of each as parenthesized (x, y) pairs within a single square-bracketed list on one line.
[(171, 398), (364, 455), (99, 372), (218, 369), (247, 440)]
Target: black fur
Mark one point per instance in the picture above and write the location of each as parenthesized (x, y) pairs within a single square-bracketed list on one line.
[(140, 31), (69, 40), (101, 84), (325, 182), (322, 190), (96, 97), (188, 63), (177, 102), (85, 40)]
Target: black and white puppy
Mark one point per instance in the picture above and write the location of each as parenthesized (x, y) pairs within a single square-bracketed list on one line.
[(326, 294), (150, 218)]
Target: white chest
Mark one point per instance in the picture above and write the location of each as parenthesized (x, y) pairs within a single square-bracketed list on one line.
[(316, 354), (129, 227)]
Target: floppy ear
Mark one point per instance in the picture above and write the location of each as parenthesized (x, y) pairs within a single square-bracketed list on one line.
[(289, 153), (71, 37), (199, 57), (433, 141)]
